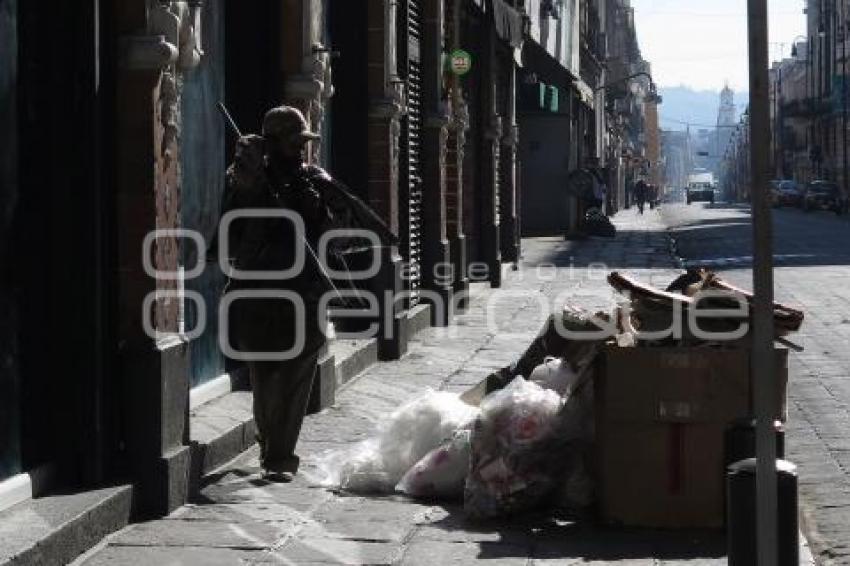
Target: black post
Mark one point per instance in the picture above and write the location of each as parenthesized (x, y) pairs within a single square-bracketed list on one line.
[(844, 95), (834, 64), (809, 99), (775, 136)]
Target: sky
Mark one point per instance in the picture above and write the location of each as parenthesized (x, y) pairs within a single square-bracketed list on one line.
[(703, 45)]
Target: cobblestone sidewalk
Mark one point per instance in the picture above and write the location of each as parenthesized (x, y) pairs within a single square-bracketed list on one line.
[(242, 520)]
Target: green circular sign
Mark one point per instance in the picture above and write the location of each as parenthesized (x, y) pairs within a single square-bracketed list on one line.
[(460, 62)]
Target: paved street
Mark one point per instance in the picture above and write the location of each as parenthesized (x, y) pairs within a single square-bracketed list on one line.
[(242, 520), (813, 269)]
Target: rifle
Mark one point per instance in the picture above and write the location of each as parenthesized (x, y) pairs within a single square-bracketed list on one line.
[(228, 119)]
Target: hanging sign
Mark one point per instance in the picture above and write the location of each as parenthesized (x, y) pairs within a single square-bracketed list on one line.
[(460, 62)]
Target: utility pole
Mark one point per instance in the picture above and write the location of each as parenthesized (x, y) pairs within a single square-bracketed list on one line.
[(844, 96), (763, 362), (780, 129), (833, 115)]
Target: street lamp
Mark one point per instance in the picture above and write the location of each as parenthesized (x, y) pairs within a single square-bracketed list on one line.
[(653, 92)]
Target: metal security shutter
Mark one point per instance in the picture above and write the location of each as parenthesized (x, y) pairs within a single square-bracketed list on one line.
[(410, 166)]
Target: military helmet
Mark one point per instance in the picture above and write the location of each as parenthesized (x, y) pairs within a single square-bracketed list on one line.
[(286, 122)]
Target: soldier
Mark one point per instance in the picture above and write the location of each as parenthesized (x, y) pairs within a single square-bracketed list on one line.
[(269, 173)]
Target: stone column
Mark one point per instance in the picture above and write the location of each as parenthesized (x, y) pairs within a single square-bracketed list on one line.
[(307, 85), (436, 260), (509, 226), (386, 105), (490, 156), (454, 197), (158, 42), (306, 64), (456, 142)]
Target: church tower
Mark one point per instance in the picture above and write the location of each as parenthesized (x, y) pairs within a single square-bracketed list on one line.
[(726, 116)]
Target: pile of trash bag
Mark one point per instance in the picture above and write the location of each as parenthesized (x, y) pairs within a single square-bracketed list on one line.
[(518, 446), (523, 437), (516, 459), (501, 458)]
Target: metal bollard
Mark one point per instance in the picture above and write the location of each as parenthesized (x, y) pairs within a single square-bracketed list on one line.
[(741, 514), (740, 441)]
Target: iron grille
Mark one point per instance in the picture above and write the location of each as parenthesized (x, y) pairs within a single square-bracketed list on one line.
[(412, 149)]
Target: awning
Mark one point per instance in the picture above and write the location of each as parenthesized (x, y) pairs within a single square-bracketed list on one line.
[(585, 92), (508, 23)]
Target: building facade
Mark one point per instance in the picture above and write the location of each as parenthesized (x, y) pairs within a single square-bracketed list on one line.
[(631, 116), (107, 234), (810, 106)]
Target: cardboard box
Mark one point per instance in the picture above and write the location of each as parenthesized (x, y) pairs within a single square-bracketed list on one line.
[(660, 418)]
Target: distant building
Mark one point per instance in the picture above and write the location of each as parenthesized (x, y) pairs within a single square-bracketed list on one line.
[(676, 152)]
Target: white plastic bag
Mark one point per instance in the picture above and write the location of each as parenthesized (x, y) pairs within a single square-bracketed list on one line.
[(402, 440), (442, 472), (555, 374)]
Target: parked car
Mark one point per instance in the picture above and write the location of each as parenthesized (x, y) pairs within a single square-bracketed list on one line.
[(786, 193), (824, 195)]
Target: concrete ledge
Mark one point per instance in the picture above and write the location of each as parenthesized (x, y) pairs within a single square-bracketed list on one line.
[(323, 394), (219, 431), (218, 387), (353, 357), (57, 528), (418, 319)]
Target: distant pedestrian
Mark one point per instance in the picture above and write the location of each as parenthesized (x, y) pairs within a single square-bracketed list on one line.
[(641, 193), (652, 196)]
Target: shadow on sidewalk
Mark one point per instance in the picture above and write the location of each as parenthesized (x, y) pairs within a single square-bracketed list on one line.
[(631, 249), (725, 242), (554, 536)]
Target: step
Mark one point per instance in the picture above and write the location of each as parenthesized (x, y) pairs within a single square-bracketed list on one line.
[(54, 529)]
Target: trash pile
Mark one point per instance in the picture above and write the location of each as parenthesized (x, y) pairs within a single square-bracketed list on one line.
[(697, 289), (524, 437)]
